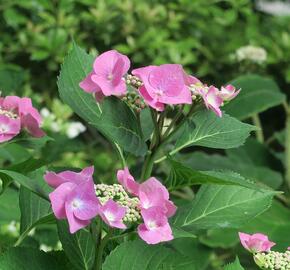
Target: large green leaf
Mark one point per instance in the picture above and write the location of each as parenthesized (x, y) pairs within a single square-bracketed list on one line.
[(34, 211), (258, 94), (208, 130), (182, 176), (223, 207), (27, 258), (9, 210), (79, 247), (234, 266), (138, 255), (203, 161), (113, 118)]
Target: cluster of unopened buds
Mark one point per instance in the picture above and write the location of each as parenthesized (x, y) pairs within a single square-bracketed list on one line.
[(260, 246), (155, 86), (18, 113), (77, 199)]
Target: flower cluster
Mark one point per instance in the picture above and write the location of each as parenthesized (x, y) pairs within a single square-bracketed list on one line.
[(157, 86), (77, 199), (18, 113), (253, 54), (260, 246)]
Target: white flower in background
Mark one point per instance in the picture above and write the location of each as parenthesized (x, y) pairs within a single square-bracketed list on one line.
[(254, 54), (12, 227), (74, 129), (276, 8), (55, 127), (45, 112)]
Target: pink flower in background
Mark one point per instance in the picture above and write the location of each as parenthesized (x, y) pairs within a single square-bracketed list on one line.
[(212, 100), (127, 181), (156, 228), (106, 79), (165, 84), (228, 92), (20, 112), (257, 242), (112, 214), (9, 128), (56, 179), (152, 193), (74, 198)]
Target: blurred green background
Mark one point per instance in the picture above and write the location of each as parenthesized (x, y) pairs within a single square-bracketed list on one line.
[(206, 36)]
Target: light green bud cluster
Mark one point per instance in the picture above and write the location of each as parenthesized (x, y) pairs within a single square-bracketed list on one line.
[(8, 113), (273, 260), (117, 193), (134, 81)]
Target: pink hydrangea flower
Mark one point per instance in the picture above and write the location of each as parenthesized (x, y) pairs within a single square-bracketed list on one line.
[(228, 92), (20, 111), (9, 128), (106, 79), (152, 193), (56, 179), (257, 242), (212, 100), (156, 228), (112, 214), (73, 199), (127, 181), (165, 84)]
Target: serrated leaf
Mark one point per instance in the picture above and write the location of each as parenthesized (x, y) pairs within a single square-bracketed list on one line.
[(234, 266), (138, 255), (223, 207), (113, 118), (208, 130), (182, 176), (21, 258), (78, 247), (258, 94)]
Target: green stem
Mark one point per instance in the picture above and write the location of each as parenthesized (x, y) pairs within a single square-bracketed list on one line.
[(120, 154), (100, 250), (257, 123)]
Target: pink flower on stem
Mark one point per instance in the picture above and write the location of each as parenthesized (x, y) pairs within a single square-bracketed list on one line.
[(165, 84), (9, 128), (228, 92), (73, 199), (152, 193), (212, 99), (127, 181), (106, 79), (255, 243), (112, 214), (156, 228), (20, 112)]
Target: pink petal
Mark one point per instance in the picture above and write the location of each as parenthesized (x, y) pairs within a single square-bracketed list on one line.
[(53, 179), (191, 80), (149, 100), (153, 184), (58, 198), (11, 103), (32, 125), (88, 203), (9, 128), (184, 97), (88, 85), (75, 224), (170, 208), (213, 101), (127, 181)]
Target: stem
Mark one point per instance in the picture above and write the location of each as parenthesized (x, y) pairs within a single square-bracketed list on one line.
[(100, 250), (120, 154), (257, 123), (287, 149)]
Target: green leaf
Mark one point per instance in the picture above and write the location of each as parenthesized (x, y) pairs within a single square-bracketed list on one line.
[(223, 207), (234, 266), (34, 185), (138, 255), (113, 117), (27, 258), (34, 211), (182, 176), (180, 233), (9, 209), (258, 94), (203, 161), (79, 247), (208, 130)]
